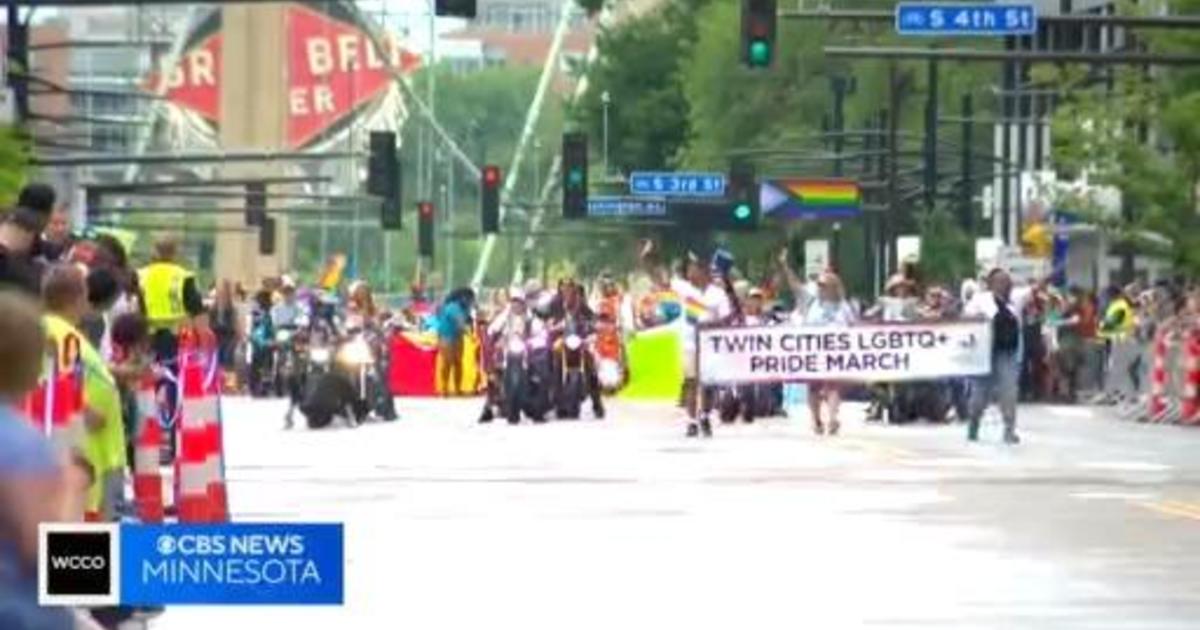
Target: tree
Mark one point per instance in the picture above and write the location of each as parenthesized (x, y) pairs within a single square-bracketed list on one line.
[(14, 156), (638, 67)]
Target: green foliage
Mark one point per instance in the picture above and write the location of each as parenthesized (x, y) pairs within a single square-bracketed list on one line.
[(947, 251), (638, 68), (14, 163)]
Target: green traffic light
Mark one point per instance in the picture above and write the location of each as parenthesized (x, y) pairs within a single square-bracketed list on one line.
[(742, 212), (760, 53), (575, 177)]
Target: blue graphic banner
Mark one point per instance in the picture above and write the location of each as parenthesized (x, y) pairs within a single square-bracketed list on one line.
[(673, 184), (236, 563), (955, 19)]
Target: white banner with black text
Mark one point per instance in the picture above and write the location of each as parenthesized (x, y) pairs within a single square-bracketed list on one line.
[(871, 352)]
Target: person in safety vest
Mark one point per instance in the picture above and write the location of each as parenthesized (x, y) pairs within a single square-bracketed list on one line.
[(1116, 329), (170, 299), (64, 295)]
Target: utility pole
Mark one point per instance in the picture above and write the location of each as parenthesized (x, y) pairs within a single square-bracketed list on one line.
[(931, 125), (966, 209), (869, 217), (893, 212)]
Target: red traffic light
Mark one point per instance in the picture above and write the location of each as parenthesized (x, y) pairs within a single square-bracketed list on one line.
[(425, 208), (491, 175)]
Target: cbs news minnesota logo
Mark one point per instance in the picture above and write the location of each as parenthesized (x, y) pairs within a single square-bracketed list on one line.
[(79, 564)]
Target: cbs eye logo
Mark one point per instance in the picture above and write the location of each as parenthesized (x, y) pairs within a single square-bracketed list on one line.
[(77, 564)]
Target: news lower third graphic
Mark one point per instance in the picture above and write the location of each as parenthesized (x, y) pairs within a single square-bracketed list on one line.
[(242, 563)]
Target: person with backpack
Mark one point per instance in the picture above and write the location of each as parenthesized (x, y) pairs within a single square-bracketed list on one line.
[(1003, 306)]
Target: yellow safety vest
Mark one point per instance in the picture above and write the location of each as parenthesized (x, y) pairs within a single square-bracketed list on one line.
[(162, 289), (104, 449), (1118, 308)]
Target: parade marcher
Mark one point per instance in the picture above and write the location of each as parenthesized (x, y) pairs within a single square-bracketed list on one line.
[(453, 323), (703, 303), (830, 308), (18, 235), (1003, 306), (64, 295), (37, 484)]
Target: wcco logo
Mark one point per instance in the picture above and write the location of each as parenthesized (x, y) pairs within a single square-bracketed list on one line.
[(77, 564)]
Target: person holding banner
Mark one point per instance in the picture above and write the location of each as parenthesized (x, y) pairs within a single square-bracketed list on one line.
[(829, 308), (703, 303), (1003, 307)]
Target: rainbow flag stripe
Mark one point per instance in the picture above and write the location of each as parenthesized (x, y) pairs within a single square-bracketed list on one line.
[(825, 192), (694, 310)]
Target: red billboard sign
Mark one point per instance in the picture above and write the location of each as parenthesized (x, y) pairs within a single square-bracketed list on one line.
[(333, 71)]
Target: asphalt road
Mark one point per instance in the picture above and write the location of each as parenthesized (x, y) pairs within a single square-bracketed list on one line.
[(1090, 523)]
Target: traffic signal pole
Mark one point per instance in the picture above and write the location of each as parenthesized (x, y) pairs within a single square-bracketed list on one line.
[(531, 120)]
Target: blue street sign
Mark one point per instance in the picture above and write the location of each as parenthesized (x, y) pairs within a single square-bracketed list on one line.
[(955, 19), (672, 184), (626, 207)]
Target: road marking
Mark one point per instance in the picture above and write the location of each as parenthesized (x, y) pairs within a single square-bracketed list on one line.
[(1179, 509), (1129, 466), (879, 448)]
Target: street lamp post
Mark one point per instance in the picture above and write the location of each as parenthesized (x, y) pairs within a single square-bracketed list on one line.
[(605, 99)]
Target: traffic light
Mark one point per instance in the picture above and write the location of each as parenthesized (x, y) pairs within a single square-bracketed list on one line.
[(758, 33), (455, 8), (256, 204), (738, 211), (383, 177), (266, 236), (574, 175), (490, 195), (743, 194), (425, 229)]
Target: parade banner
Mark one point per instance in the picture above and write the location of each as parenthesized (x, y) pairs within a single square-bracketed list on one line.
[(882, 352)]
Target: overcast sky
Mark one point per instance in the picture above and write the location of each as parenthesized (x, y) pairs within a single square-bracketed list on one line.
[(406, 16)]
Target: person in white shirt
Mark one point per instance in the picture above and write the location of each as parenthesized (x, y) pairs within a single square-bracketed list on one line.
[(704, 303), (829, 308), (1002, 306)]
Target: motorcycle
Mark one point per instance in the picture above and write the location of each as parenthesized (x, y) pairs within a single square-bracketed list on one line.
[(609, 353), (526, 380), (345, 380), (285, 359), (573, 386)]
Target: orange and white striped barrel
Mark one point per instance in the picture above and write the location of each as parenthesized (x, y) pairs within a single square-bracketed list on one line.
[(147, 472), (192, 498), (1190, 397), (1159, 378), (215, 463)]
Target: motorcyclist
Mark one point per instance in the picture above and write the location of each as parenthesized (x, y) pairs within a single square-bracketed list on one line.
[(570, 313), (286, 314), (515, 319)]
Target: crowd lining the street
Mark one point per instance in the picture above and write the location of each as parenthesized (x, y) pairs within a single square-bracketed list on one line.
[(1060, 344)]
